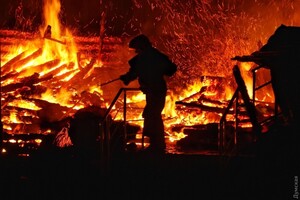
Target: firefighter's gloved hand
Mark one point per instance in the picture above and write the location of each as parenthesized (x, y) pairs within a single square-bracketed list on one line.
[(124, 79)]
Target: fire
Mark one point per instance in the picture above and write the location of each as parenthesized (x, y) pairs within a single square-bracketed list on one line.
[(23, 104), (54, 49), (201, 36), (13, 117), (48, 56)]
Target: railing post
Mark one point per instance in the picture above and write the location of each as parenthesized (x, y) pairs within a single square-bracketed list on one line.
[(222, 128), (253, 85), (107, 145), (221, 136), (102, 147), (236, 119), (105, 132), (124, 117), (105, 136)]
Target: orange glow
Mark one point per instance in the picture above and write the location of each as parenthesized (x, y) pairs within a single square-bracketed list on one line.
[(207, 81)]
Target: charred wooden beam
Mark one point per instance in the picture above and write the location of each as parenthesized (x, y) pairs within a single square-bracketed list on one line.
[(7, 110), (61, 78), (200, 106), (55, 40), (58, 79), (47, 65), (9, 75), (55, 71), (24, 82), (36, 90), (203, 99), (78, 78), (21, 128), (7, 67), (250, 107), (25, 60), (46, 104), (57, 111), (28, 81), (192, 97)]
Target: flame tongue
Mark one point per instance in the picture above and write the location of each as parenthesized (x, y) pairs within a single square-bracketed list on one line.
[(45, 69), (50, 78)]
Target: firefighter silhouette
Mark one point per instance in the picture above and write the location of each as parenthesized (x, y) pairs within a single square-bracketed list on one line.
[(150, 66)]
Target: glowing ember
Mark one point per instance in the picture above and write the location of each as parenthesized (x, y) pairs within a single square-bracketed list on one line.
[(56, 72)]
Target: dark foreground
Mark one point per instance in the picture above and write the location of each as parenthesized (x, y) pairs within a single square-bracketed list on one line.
[(271, 173), (137, 176)]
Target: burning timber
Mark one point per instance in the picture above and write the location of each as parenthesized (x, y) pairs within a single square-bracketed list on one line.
[(32, 81), (30, 87)]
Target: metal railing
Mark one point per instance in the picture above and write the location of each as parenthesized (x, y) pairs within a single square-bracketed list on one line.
[(223, 121), (105, 127), (223, 145), (255, 88)]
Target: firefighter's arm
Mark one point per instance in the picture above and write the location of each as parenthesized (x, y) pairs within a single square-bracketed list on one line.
[(129, 76), (125, 79)]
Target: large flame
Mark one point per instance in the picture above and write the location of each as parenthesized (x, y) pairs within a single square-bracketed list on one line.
[(55, 56), (200, 36)]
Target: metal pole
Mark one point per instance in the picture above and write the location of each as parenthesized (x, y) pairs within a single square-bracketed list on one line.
[(124, 117), (220, 136), (236, 119), (107, 145), (253, 86), (109, 81), (102, 148)]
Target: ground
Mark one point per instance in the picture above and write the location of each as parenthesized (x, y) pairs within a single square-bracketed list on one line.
[(58, 174)]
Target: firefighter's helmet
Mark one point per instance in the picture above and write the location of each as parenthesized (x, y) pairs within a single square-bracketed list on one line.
[(140, 42)]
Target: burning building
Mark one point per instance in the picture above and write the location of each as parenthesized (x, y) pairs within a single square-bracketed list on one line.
[(56, 57)]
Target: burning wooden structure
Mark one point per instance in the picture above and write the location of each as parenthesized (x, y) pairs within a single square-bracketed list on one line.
[(47, 78)]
